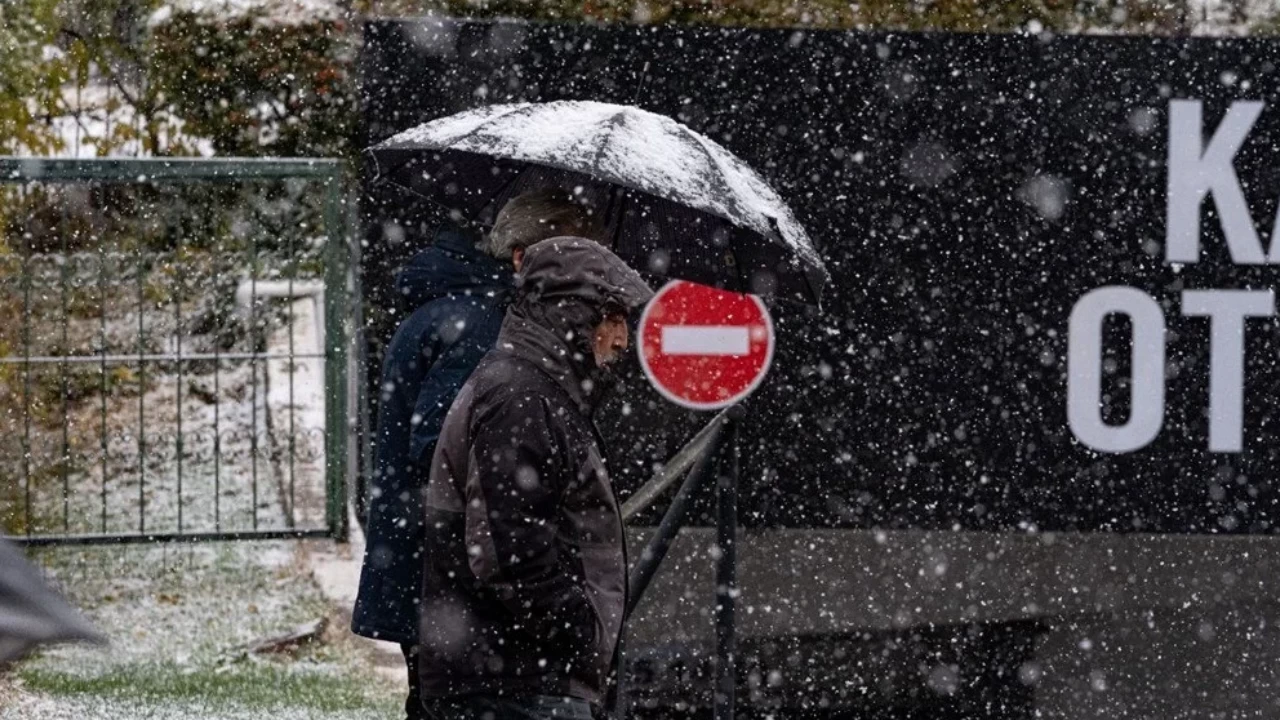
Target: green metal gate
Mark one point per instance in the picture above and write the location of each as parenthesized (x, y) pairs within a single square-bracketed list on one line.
[(173, 349)]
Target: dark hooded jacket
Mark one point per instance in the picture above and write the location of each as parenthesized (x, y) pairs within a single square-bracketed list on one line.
[(456, 296), (525, 581)]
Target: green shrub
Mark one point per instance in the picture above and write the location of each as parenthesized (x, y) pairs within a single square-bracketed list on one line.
[(956, 15), (259, 88)]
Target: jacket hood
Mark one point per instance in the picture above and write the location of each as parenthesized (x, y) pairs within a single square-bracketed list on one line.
[(451, 266), (574, 267), (564, 286)]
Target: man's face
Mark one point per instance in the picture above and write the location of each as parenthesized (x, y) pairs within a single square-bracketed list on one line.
[(611, 339)]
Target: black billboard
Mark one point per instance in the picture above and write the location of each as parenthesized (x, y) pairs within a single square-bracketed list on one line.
[(1051, 303)]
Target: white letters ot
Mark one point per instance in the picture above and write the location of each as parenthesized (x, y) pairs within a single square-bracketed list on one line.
[(1227, 310)]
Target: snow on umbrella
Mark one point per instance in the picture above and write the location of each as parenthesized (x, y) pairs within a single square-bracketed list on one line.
[(30, 613), (674, 202)]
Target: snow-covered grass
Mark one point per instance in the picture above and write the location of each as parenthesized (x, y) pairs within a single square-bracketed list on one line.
[(309, 699), (176, 618)]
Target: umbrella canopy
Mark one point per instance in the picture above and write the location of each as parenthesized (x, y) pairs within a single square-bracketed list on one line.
[(674, 202), (30, 613)]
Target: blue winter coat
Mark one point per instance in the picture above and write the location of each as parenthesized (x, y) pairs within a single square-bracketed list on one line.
[(458, 296)]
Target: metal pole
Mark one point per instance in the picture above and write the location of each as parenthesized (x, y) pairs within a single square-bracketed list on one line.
[(361, 446), (671, 523), (672, 469), (727, 580), (653, 553)]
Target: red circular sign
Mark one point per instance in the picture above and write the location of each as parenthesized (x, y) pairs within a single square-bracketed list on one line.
[(704, 348)]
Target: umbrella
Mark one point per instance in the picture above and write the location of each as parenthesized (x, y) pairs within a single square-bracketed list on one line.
[(674, 202), (30, 613)]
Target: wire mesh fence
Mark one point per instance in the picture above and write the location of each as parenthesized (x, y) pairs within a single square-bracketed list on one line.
[(172, 349)]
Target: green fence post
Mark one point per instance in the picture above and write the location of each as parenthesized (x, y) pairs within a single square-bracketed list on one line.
[(335, 362)]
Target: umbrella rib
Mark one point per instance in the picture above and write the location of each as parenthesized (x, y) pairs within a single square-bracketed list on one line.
[(614, 121), (718, 179), (516, 109), (806, 253), (449, 145), (619, 118), (452, 144)]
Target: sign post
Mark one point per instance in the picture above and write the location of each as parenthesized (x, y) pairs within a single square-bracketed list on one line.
[(727, 583), (707, 349)]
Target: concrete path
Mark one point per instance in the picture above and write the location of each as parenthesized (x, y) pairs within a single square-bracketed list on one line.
[(297, 396), (336, 569)]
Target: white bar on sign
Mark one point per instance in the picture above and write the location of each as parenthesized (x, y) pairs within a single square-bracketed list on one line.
[(705, 340)]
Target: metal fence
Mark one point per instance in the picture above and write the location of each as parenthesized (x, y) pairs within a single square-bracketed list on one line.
[(173, 349)]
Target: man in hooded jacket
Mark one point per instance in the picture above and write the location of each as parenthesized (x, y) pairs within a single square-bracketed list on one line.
[(525, 572), (455, 295)]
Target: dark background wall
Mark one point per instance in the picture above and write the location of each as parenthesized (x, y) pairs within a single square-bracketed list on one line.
[(965, 191)]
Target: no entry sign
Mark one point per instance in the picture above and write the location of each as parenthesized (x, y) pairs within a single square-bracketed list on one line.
[(704, 348)]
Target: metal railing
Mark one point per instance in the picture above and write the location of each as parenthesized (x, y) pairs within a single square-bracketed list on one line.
[(142, 398)]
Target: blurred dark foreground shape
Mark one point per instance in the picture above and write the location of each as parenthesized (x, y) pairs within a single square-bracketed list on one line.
[(31, 613)]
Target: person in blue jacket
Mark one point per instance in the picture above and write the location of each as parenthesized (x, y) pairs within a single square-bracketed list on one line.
[(456, 292)]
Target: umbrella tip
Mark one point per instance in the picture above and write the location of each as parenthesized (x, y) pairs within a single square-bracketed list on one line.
[(644, 75)]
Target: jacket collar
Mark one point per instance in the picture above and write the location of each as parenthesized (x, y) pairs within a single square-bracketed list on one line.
[(452, 265), (559, 344), (456, 240)]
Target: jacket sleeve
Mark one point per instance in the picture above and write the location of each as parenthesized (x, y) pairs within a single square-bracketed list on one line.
[(517, 478)]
